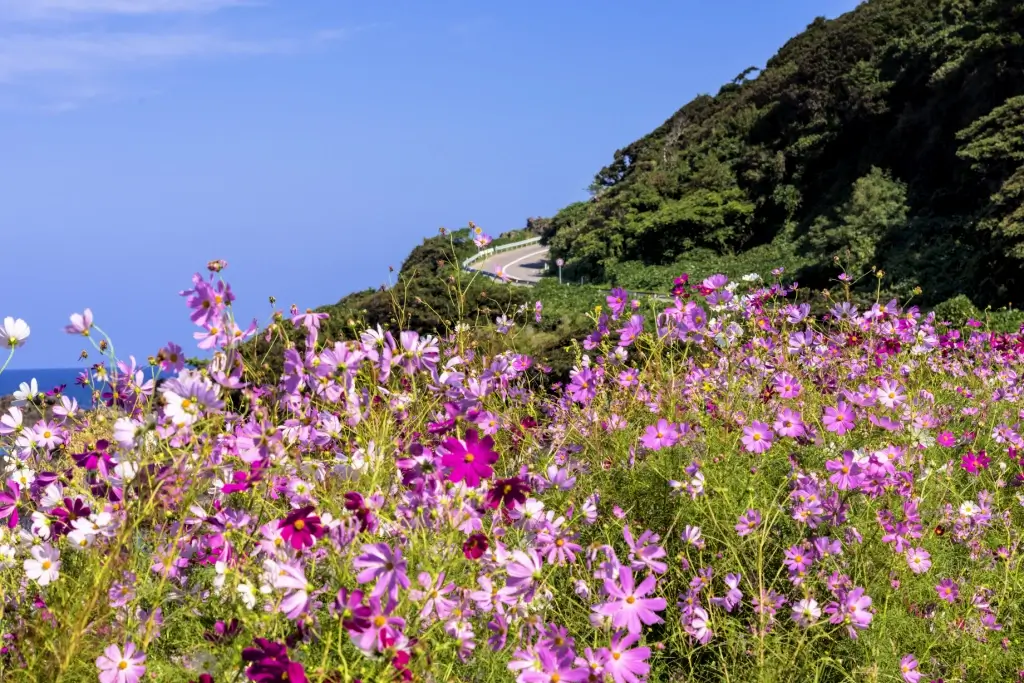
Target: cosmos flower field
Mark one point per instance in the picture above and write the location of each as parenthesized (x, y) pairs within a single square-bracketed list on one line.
[(727, 488)]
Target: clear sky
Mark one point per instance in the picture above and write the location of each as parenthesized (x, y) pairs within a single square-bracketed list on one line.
[(312, 143)]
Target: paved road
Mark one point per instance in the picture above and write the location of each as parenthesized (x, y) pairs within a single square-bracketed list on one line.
[(525, 263)]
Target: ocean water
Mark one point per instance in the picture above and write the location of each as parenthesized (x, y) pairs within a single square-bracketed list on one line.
[(47, 378)]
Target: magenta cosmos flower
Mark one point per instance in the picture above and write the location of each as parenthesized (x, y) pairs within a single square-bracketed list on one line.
[(662, 435), (469, 460), (9, 503), (628, 606), (839, 419), (118, 667), (301, 527), (973, 462), (757, 437)]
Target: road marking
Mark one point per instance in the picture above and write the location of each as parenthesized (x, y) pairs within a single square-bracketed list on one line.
[(512, 263)]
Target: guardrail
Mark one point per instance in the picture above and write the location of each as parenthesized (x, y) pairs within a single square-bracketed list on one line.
[(484, 253)]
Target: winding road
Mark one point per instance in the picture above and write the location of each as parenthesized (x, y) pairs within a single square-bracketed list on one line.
[(525, 264)]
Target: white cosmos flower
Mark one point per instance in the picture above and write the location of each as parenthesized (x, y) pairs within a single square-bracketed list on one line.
[(27, 391), (44, 565), (248, 594), (14, 332), (6, 556)]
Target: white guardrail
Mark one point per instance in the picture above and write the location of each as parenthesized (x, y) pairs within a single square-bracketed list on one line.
[(490, 251), (484, 253)]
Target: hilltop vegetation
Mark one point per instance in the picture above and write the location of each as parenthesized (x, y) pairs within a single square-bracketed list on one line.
[(889, 137)]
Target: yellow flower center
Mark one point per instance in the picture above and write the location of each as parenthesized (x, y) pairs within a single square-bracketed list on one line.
[(299, 525)]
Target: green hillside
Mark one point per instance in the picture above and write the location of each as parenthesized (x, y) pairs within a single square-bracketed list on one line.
[(889, 137), (887, 143)]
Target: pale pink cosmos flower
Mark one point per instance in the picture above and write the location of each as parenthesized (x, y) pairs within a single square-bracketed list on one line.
[(919, 560), (118, 667), (81, 323)]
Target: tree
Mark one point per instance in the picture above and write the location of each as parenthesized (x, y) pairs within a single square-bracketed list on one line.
[(877, 205)]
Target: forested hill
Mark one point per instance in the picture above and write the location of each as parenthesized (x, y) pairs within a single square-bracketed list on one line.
[(892, 136)]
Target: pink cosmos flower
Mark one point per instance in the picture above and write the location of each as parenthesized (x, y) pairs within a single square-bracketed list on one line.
[(629, 607), (946, 439), (948, 590), (790, 423), (379, 562), (846, 474), (839, 419), (757, 437), (81, 323), (524, 572), (623, 664), (852, 610), (662, 435), (469, 460), (748, 522), (908, 669), (699, 626), (919, 560), (116, 667), (787, 386)]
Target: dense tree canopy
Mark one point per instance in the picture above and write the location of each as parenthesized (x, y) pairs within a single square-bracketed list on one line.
[(892, 136)]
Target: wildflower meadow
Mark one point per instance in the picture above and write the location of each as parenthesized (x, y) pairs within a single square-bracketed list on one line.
[(727, 487)]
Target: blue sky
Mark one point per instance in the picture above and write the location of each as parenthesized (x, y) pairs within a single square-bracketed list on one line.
[(312, 143)]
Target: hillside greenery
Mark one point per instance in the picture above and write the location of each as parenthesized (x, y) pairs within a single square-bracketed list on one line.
[(888, 137), (887, 143)]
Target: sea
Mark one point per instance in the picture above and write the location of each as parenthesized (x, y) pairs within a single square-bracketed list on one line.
[(47, 379)]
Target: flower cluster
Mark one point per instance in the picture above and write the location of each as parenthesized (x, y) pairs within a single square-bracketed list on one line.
[(735, 483)]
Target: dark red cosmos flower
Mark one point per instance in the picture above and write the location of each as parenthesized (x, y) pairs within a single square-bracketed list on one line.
[(269, 663), (508, 493), (203, 678), (66, 515), (300, 527), (356, 503), (475, 546), (348, 606), (223, 632)]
